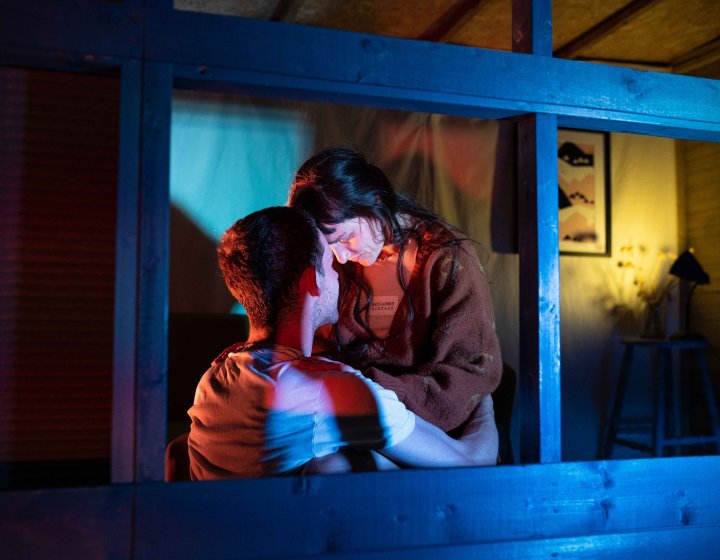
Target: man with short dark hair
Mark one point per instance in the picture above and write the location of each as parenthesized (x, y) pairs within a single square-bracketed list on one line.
[(266, 408)]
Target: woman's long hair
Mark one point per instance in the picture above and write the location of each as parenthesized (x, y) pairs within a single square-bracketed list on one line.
[(339, 184)]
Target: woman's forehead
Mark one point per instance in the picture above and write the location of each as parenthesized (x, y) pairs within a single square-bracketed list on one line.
[(340, 229), (349, 223)]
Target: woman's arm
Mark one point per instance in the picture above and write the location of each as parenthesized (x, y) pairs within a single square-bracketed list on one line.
[(429, 446)]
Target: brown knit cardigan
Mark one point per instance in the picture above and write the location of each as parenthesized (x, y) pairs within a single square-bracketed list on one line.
[(447, 358)]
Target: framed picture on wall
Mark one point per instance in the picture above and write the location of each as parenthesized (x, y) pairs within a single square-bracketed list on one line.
[(584, 192)]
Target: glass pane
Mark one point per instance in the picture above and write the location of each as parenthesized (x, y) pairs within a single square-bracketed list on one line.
[(630, 358), (232, 155)]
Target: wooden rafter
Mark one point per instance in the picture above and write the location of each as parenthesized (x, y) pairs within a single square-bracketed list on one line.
[(697, 58), (450, 20), (603, 28), (285, 10)]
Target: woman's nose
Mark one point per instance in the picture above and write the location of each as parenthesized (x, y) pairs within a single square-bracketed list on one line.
[(340, 254)]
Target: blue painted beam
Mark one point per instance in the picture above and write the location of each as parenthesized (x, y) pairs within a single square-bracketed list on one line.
[(382, 512), (153, 274), (548, 287), (372, 70), (416, 75), (85, 27), (539, 380), (126, 271), (698, 543), (92, 522), (265, 84), (576, 510), (61, 61)]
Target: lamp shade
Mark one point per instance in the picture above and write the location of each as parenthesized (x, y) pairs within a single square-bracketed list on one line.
[(687, 267)]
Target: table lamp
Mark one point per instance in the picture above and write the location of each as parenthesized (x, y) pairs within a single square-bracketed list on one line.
[(686, 267)]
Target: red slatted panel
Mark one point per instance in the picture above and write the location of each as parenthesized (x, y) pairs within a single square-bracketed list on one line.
[(58, 187)]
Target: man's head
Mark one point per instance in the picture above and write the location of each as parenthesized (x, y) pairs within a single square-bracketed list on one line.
[(263, 258)]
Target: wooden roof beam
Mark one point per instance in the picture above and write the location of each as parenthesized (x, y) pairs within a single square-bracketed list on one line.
[(603, 28), (703, 55), (286, 10), (451, 19)]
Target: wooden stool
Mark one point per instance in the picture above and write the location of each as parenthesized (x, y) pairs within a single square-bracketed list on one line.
[(666, 399)]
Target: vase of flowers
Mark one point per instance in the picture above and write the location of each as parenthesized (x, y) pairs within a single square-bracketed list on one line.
[(654, 323), (654, 288)]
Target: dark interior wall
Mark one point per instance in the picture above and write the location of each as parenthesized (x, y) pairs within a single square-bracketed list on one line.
[(700, 177), (58, 189), (194, 340)]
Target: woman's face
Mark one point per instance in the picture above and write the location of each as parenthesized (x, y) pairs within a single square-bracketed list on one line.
[(358, 240)]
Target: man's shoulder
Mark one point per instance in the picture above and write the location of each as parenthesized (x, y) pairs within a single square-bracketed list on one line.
[(318, 363), (344, 390), (232, 349), (326, 371)]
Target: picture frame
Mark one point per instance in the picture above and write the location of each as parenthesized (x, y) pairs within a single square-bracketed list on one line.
[(584, 192)]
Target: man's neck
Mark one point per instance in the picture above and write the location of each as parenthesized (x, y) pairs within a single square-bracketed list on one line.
[(297, 338), (295, 333)]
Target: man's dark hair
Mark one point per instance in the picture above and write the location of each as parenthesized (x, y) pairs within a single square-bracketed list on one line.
[(262, 257)]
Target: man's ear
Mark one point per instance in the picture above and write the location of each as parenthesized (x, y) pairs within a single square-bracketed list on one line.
[(308, 281)]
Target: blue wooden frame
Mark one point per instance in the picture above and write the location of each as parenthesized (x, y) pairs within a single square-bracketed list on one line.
[(607, 509), (126, 264), (154, 259)]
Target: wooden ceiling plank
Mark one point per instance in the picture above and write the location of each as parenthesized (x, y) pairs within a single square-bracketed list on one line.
[(285, 10), (699, 57), (452, 18), (603, 28)]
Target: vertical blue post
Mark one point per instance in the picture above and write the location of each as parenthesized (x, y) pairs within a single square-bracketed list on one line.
[(539, 289), (126, 259), (548, 279), (540, 429), (151, 391)]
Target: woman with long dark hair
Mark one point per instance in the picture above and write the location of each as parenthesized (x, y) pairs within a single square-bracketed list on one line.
[(415, 309)]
